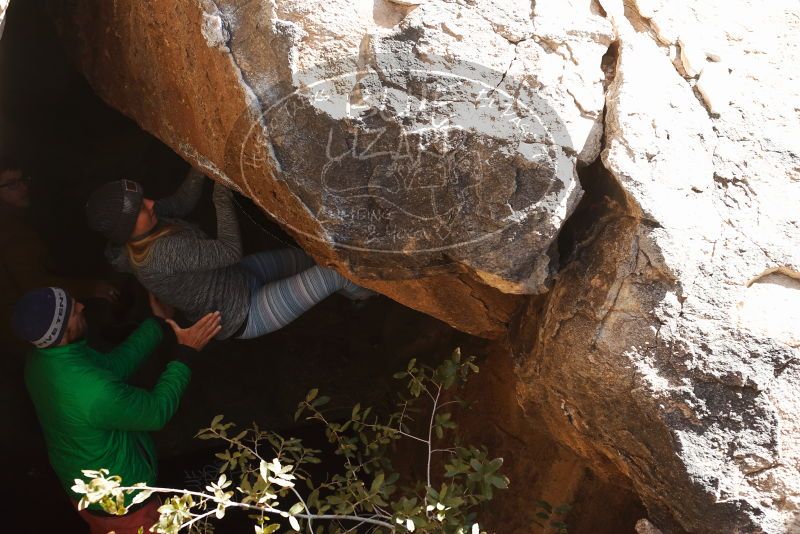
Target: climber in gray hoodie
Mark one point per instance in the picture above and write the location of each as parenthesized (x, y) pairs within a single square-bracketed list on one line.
[(184, 268)]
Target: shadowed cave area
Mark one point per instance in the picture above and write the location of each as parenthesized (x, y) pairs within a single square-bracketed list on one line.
[(68, 141)]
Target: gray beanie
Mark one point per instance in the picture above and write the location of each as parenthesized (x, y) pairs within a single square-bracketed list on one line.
[(112, 209)]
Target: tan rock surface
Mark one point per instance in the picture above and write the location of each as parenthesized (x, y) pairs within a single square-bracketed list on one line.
[(665, 342)]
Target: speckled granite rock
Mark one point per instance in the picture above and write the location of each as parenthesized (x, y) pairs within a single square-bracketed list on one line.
[(666, 345)]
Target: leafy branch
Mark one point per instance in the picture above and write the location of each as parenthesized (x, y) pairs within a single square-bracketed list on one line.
[(367, 490)]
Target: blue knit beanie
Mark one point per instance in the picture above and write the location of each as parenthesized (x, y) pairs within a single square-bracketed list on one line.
[(41, 316)]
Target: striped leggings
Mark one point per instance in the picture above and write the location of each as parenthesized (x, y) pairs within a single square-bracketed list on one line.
[(285, 284)]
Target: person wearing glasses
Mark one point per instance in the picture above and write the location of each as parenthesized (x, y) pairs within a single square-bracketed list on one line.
[(24, 256), (24, 261), (14, 188)]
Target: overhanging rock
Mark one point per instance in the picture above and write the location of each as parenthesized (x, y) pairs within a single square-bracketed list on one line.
[(414, 148)]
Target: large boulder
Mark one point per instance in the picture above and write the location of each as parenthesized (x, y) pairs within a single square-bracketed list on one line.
[(423, 150), (669, 344), (431, 152)]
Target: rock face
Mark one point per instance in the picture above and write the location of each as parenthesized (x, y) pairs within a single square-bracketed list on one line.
[(414, 148), (665, 344), (430, 152)]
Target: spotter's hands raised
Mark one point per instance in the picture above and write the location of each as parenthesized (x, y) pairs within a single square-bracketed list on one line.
[(200, 333)]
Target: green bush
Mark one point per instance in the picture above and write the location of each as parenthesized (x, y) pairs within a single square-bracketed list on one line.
[(262, 470)]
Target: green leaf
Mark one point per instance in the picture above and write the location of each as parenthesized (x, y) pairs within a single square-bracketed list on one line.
[(499, 482), (320, 401), (216, 420), (563, 509), (494, 465), (377, 483), (311, 395), (544, 504)]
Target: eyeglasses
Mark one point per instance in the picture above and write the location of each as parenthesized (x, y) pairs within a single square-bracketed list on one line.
[(16, 184)]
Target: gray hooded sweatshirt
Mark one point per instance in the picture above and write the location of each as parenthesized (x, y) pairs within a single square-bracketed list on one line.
[(188, 270)]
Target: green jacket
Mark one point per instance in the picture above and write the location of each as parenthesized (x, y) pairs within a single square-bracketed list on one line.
[(91, 418)]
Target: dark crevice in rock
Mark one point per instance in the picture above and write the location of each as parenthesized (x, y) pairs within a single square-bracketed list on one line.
[(602, 193), (608, 64), (603, 210), (602, 197)]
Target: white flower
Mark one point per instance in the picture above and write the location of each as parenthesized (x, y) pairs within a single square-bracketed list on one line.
[(294, 523), (217, 488), (476, 529), (221, 484), (440, 509), (410, 526)]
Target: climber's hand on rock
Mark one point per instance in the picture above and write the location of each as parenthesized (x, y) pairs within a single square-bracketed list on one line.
[(200, 333)]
